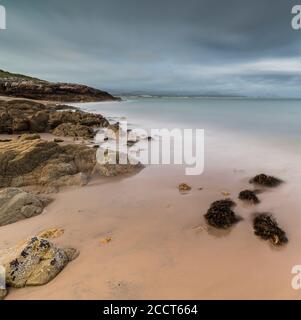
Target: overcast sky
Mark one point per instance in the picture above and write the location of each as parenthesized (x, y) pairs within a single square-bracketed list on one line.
[(240, 47)]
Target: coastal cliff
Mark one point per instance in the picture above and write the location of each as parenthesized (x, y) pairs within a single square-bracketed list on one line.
[(21, 86)]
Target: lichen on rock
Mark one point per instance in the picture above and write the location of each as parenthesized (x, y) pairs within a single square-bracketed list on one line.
[(35, 262)]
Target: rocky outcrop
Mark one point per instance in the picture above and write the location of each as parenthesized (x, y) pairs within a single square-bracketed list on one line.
[(25, 162), (30, 160), (26, 87), (78, 117), (110, 163), (34, 262), (112, 170), (38, 122), (16, 204), (19, 116), (114, 131), (73, 130)]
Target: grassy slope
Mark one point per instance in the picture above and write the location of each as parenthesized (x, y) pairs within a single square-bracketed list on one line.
[(6, 74)]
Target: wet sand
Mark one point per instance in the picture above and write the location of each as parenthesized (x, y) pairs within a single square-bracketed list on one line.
[(161, 247)]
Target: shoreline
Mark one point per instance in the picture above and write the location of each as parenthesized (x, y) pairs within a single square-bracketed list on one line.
[(161, 247)]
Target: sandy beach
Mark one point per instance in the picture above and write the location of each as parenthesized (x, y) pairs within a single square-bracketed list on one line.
[(161, 246)]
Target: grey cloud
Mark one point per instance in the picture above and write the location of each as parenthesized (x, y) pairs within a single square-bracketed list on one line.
[(154, 46)]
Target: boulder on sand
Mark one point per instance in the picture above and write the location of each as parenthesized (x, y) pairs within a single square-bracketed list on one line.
[(34, 262), (16, 204)]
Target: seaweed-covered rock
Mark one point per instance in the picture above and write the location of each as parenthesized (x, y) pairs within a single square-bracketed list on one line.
[(34, 262), (16, 204), (266, 181), (249, 196), (220, 214), (131, 143), (266, 227)]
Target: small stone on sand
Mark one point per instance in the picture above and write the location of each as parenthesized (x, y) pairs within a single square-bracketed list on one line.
[(106, 240), (183, 187)]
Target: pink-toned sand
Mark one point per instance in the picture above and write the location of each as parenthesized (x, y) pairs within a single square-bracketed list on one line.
[(161, 247)]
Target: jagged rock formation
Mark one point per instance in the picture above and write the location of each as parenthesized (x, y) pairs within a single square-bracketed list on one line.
[(73, 130), (19, 116), (30, 160), (33, 161)]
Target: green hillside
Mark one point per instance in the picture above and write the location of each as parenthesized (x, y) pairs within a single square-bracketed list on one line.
[(6, 74)]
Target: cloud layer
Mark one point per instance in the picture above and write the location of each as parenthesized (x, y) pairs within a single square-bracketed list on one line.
[(237, 47)]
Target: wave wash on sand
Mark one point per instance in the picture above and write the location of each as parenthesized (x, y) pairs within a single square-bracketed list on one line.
[(176, 146)]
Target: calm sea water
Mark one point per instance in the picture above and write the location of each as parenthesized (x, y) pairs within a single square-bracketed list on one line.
[(269, 121)]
